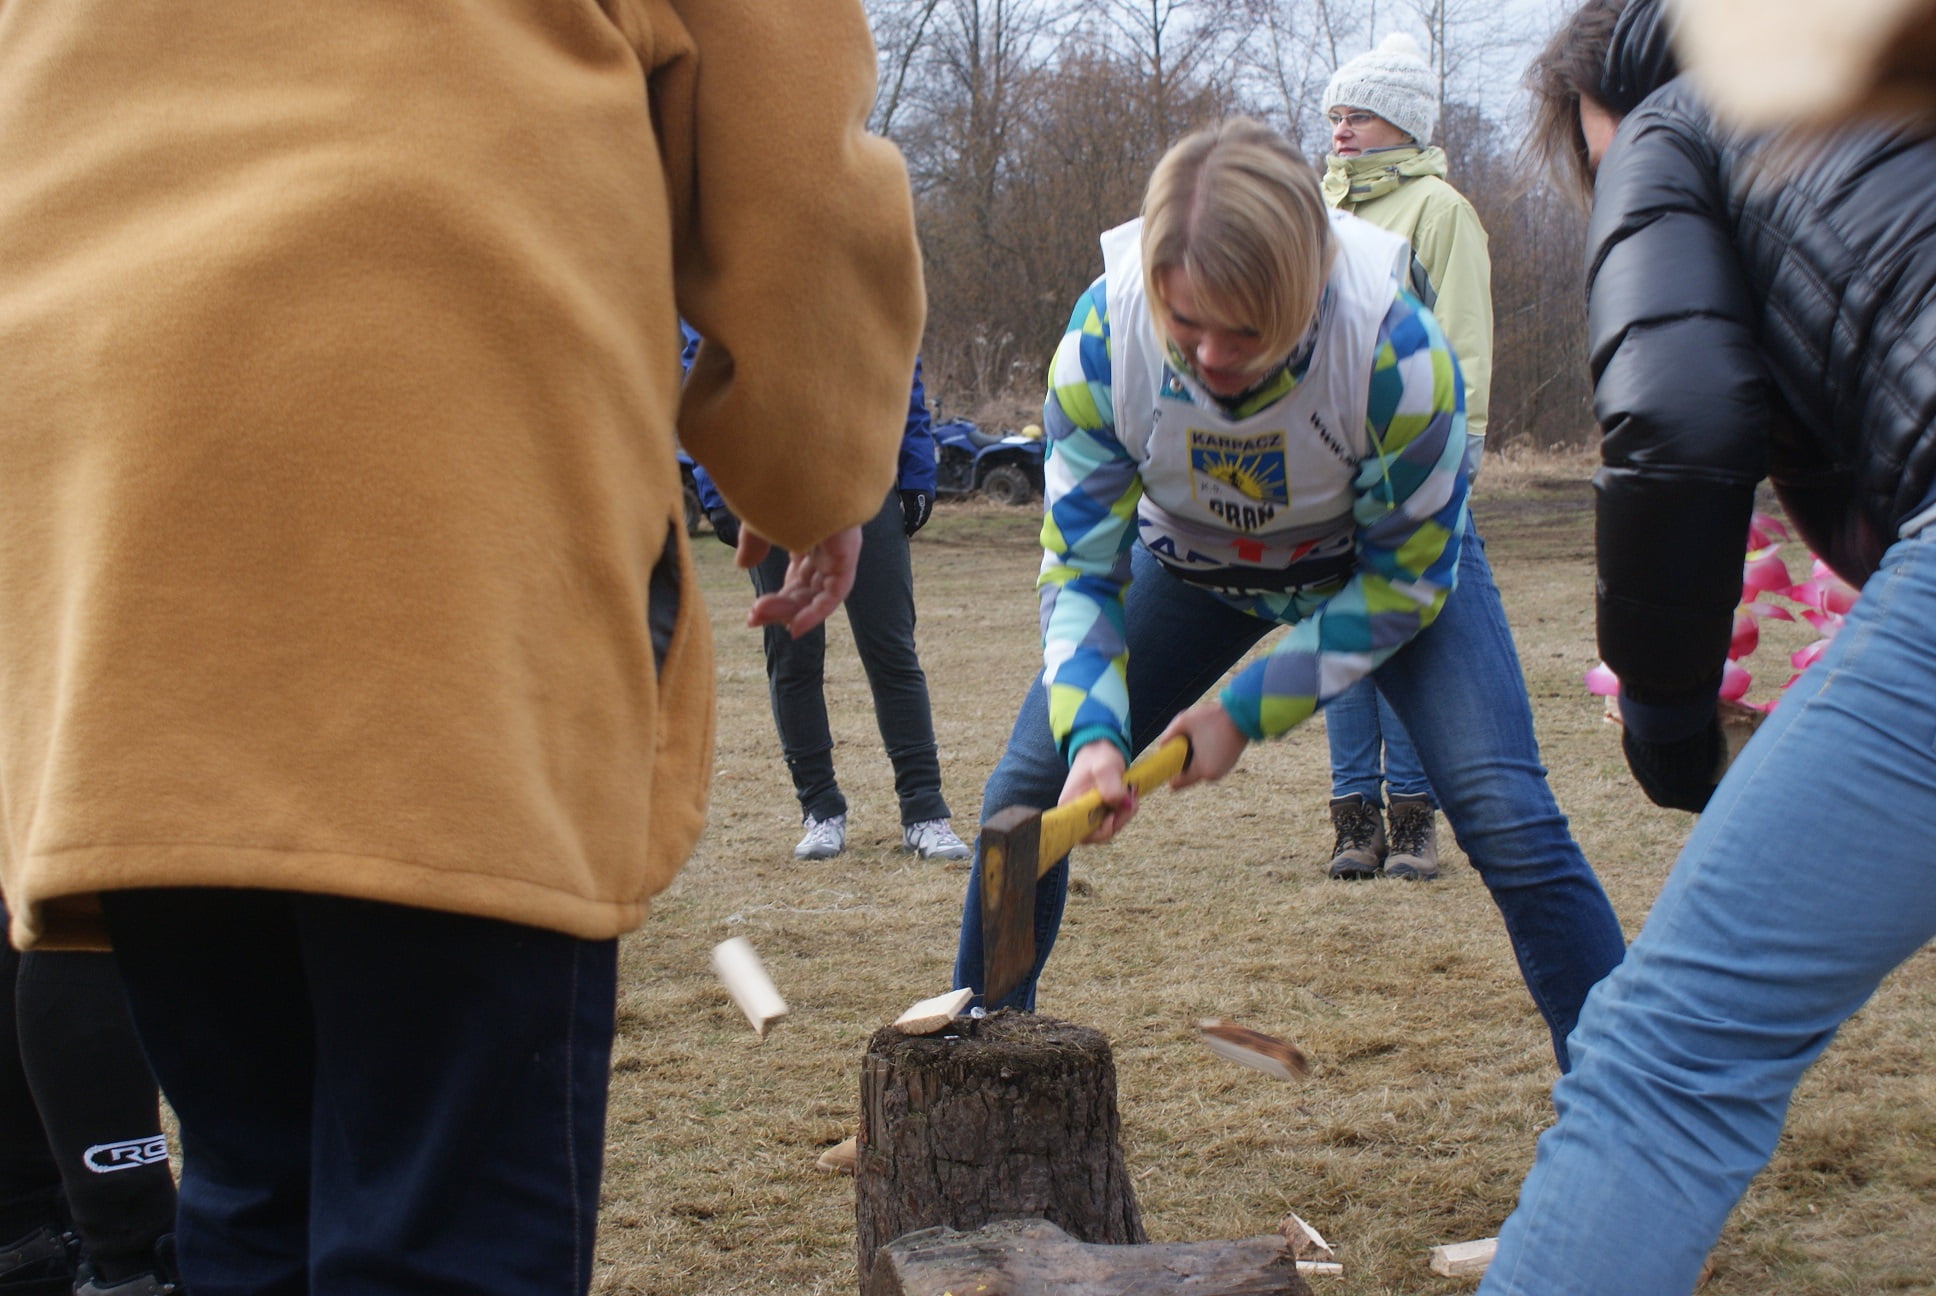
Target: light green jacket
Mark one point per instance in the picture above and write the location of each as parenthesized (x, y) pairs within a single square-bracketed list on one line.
[(1404, 190)]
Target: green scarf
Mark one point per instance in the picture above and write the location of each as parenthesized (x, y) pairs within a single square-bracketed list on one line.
[(1349, 181)]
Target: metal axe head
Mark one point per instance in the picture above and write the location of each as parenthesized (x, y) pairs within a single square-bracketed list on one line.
[(1008, 854)]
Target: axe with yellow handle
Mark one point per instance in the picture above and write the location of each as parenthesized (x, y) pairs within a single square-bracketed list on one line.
[(1019, 844)]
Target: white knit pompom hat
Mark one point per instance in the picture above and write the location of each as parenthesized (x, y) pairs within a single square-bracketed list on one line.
[(1394, 81)]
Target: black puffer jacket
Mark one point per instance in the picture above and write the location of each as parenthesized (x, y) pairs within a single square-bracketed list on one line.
[(1755, 309)]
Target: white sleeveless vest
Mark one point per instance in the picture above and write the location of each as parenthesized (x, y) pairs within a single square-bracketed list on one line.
[(1258, 504)]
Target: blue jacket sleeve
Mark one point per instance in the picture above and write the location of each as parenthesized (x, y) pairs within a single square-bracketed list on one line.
[(917, 440), (691, 348), (709, 499)]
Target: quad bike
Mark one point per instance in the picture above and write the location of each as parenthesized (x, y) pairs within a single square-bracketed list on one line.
[(1006, 468)]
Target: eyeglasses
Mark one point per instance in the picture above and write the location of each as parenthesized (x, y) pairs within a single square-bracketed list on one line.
[(1355, 120)]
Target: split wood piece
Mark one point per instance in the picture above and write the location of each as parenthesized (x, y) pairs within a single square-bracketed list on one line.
[(1306, 1242), (1010, 1116), (739, 970), (1253, 1048), (1463, 1259), (841, 1156), (1035, 1258), (930, 1015)]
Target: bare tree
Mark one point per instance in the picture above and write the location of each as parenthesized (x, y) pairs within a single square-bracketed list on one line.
[(1179, 45), (900, 40)]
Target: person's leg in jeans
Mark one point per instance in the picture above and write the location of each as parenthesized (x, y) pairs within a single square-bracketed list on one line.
[(795, 675), (1404, 773), (1181, 641), (449, 1087), (1459, 690), (880, 610), (1768, 934), (100, 1108), (1357, 746)]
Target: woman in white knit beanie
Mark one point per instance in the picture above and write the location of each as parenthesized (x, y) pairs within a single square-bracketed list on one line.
[(1383, 108), (1394, 81)]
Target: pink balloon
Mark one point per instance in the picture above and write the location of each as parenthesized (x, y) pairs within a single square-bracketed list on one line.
[(1602, 682), (1763, 531), (1841, 594), (1768, 611), (1734, 682), (1746, 637), (1803, 658), (1764, 570)]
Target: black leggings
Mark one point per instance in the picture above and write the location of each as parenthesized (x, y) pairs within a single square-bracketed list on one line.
[(80, 1122)]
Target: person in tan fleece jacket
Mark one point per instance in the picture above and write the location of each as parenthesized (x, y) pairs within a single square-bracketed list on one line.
[(353, 681)]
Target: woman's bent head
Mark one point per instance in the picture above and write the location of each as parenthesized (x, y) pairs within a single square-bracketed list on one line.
[(1236, 247)]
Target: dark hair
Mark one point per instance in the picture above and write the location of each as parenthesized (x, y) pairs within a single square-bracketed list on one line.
[(1572, 64)]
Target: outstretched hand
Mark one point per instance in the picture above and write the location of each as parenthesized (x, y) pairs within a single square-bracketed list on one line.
[(1216, 743), (817, 580)]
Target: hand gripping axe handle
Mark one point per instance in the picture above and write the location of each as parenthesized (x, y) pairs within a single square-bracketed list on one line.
[(1020, 843)]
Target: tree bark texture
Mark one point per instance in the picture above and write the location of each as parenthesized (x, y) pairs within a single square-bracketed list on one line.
[(1007, 1116), (1035, 1258)]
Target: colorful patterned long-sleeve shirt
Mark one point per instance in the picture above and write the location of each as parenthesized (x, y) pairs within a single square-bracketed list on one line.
[(1408, 513)]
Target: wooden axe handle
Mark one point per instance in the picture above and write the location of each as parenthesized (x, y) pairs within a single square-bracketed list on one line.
[(1068, 824)]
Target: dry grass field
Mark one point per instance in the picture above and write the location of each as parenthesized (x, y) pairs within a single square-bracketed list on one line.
[(1430, 1067)]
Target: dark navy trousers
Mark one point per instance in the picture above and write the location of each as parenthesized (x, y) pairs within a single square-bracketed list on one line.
[(880, 611), (373, 1099)]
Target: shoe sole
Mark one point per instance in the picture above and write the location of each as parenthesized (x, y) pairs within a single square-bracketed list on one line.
[(1352, 873), (1406, 874)]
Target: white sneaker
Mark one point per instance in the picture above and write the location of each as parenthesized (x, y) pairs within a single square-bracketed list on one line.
[(825, 838), (933, 839)]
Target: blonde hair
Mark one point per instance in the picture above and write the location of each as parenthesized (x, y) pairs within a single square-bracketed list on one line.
[(1236, 208)]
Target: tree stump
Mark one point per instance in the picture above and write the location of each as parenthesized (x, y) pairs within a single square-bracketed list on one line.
[(1035, 1258), (1007, 1116)]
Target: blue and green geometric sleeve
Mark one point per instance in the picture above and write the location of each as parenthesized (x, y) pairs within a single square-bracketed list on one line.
[(1092, 487), (1410, 513)]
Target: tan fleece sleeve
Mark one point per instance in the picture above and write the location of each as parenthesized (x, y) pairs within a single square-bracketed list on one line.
[(795, 257)]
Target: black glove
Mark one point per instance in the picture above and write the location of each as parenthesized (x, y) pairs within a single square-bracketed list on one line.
[(1681, 774), (917, 506), (725, 526)]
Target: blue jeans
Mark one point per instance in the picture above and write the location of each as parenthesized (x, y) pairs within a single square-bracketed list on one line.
[(880, 611), (1807, 879), (374, 1100), (1458, 688), (1361, 727)]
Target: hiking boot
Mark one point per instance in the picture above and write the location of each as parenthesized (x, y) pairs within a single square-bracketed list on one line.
[(1360, 849), (1414, 840), (825, 838), (933, 839), (41, 1263)]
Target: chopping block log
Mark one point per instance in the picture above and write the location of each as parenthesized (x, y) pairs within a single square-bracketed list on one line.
[(1008, 1116), (1035, 1258)]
